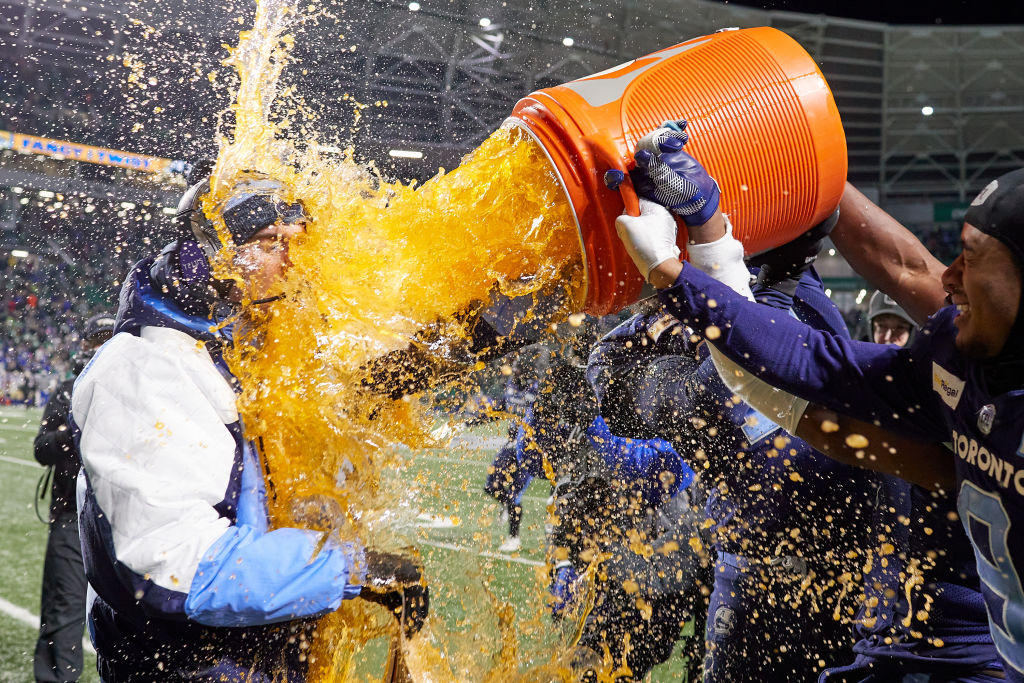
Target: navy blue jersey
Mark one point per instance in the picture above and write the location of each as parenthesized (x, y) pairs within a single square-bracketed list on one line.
[(929, 390), (518, 395), (923, 609), (772, 493)]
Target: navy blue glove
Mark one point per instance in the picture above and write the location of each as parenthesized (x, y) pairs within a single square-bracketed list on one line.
[(669, 176)]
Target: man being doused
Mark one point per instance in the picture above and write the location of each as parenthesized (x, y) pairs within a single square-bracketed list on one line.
[(188, 581)]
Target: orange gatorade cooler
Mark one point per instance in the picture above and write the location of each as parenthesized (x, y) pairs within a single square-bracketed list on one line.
[(762, 121)]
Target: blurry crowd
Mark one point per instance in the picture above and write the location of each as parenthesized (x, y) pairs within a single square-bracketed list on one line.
[(73, 270), (45, 303), (943, 243)]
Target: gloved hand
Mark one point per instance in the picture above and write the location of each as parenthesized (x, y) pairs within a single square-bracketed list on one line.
[(563, 590), (396, 582), (317, 511), (669, 176), (783, 266), (650, 238)]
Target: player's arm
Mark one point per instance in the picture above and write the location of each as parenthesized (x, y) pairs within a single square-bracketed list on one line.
[(888, 256), (862, 444), (840, 437), (867, 381), (872, 382)]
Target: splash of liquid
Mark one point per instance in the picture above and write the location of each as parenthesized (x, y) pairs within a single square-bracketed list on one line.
[(380, 263)]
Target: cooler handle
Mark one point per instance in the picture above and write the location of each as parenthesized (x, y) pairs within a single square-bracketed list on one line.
[(616, 175)]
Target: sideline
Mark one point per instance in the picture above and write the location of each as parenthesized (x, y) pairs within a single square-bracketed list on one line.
[(483, 553), (477, 441), (29, 619), (27, 427), (20, 461)]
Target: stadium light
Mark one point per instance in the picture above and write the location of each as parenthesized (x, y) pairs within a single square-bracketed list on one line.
[(19, 253), (406, 154), (127, 205), (17, 190), (927, 110), (568, 42), (485, 22), (46, 194), (169, 211), (860, 296), (414, 7)]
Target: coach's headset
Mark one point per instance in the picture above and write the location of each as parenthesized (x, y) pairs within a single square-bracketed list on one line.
[(184, 266)]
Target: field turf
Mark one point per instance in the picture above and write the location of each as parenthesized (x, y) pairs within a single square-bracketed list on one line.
[(458, 534)]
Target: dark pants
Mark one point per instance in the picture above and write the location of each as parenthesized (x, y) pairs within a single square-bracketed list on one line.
[(58, 654), (642, 641), (880, 670), (762, 627), (506, 482)]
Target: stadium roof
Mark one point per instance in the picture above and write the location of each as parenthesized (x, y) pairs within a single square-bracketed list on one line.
[(944, 12)]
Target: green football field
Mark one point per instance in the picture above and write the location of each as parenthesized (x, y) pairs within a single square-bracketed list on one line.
[(457, 530)]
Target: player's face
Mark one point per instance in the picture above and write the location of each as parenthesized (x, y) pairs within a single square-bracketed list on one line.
[(984, 284), (890, 329), (263, 260)]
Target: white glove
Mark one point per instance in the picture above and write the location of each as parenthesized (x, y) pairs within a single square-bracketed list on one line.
[(723, 260), (650, 238), (778, 406)]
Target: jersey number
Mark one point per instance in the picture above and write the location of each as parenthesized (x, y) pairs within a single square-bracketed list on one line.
[(983, 513)]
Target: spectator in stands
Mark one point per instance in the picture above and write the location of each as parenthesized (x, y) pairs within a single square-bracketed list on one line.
[(890, 324)]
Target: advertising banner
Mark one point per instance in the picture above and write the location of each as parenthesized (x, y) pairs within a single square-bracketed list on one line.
[(20, 142)]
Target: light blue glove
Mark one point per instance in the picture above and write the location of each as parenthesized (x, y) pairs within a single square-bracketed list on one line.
[(669, 176)]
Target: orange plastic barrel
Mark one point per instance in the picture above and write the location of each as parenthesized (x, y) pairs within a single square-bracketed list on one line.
[(762, 121)]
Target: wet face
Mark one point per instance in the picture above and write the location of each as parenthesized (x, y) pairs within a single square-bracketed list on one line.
[(263, 260), (890, 329), (984, 283)]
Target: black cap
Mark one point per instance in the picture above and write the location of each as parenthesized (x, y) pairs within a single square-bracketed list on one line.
[(883, 304), (998, 211), (98, 326)]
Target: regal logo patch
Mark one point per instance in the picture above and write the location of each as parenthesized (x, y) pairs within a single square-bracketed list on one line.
[(947, 385)]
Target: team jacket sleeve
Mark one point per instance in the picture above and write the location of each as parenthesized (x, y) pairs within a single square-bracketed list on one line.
[(872, 382), (248, 577), (161, 461)]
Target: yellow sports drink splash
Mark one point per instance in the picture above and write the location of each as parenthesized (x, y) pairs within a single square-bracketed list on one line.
[(381, 264)]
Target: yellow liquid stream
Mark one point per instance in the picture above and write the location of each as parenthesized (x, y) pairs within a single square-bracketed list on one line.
[(381, 262)]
